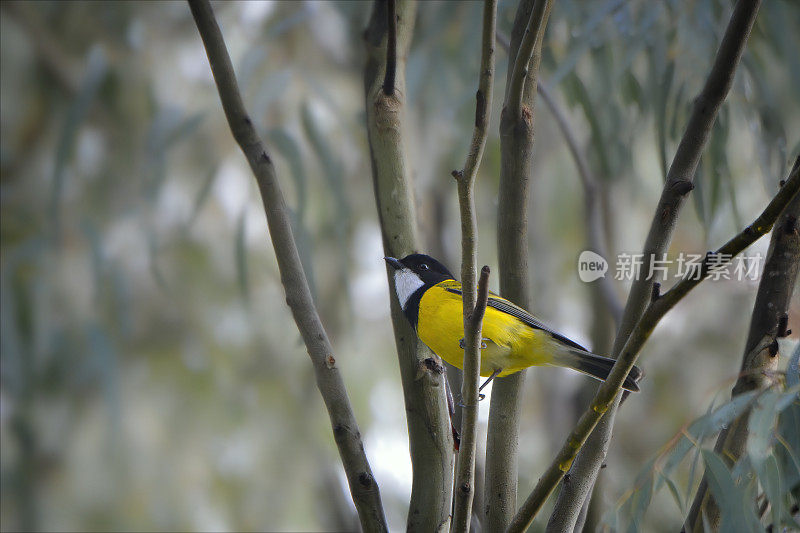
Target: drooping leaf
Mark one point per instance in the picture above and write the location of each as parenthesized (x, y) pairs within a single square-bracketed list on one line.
[(96, 68), (735, 508), (241, 256)]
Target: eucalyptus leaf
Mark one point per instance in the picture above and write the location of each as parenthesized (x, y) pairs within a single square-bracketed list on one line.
[(735, 509)]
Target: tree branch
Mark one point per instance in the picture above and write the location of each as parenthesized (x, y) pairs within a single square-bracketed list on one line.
[(530, 39), (473, 309), (678, 184), (768, 322), (391, 48), (430, 438), (516, 146), (363, 486), (465, 477), (654, 312), (593, 223), (592, 216)]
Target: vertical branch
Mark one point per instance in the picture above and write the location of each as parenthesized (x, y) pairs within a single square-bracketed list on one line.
[(516, 146), (678, 184), (363, 487), (768, 321), (473, 309), (429, 435), (593, 220), (391, 48), (465, 477)]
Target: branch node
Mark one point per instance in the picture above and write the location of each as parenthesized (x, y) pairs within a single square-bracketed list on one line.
[(683, 187), (432, 365), (773, 348), (791, 224), (457, 174), (480, 109), (656, 292), (783, 323), (365, 479)]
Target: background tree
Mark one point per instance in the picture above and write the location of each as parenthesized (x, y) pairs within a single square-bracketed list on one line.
[(147, 369)]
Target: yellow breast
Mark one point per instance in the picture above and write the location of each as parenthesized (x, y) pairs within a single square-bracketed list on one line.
[(511, 345)]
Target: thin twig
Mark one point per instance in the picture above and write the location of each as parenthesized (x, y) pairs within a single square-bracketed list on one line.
[(473, 309), (391, 48), (522, 58), (592, 216), (465, 478), (595, 234), (363, 486), (655, 311)]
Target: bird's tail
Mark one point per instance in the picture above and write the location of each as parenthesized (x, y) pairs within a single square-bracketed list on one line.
[(597, 366)]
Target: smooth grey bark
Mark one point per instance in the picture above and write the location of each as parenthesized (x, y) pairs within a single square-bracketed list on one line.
[(429, 436), (516, 147), (474, 299)]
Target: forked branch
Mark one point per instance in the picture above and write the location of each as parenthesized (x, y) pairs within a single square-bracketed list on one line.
[(654, 312), (473, 309)]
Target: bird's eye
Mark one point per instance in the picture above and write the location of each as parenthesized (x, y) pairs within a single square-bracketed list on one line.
[(423, 266)]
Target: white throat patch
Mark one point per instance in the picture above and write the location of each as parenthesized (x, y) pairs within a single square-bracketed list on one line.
[(406, 283)]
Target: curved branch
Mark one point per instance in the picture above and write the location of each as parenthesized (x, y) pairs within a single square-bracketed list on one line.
[(678, 184), (655, 311), (768, 323), (473, 309), (363, 486)]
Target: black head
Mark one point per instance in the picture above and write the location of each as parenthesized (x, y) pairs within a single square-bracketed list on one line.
[(413, 275)]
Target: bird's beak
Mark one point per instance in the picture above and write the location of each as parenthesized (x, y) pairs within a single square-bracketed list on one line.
[(394, 263)]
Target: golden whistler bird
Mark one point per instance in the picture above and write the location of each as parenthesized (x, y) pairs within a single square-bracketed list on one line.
[(513, 339)]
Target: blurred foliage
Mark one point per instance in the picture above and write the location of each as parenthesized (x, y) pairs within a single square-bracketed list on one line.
[(151, 376)]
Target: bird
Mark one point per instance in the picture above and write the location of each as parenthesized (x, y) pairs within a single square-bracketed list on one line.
[(512, 338)]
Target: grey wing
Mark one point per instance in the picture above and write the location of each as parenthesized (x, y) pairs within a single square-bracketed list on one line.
[(508, 308)]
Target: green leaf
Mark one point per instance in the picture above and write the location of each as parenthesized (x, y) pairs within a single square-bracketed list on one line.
[(760, 424), (241, 256), (676, 494), (203, 193), (735, 508), (96, 68), (288, 147), (770, 476), (793, 368)]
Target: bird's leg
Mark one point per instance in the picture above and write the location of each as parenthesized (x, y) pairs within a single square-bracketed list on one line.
[(463, 345), (490, 378), (451, 409)]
